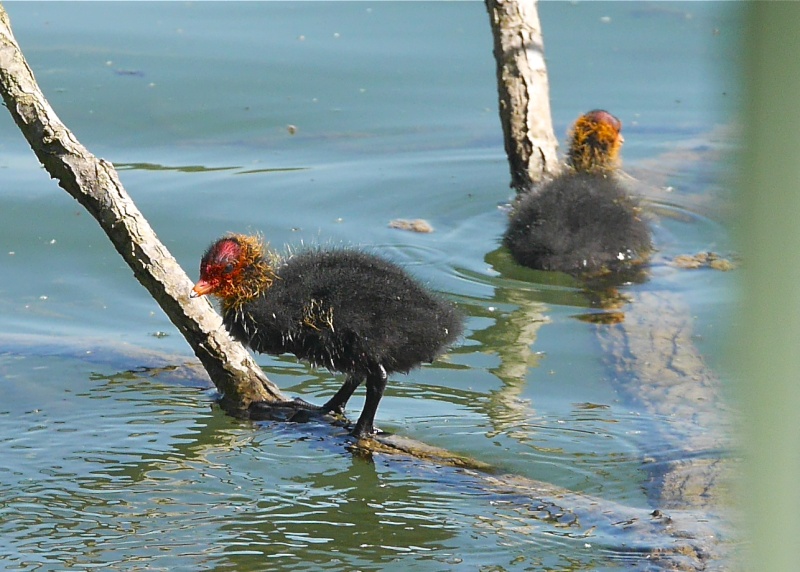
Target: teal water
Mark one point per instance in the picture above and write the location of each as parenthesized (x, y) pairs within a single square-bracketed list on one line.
[(393, 114)]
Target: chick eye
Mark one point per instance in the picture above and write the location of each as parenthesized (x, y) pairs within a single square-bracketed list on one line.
[(228, 268)]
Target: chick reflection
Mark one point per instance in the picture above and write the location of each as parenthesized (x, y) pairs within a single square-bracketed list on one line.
[(518, 313)]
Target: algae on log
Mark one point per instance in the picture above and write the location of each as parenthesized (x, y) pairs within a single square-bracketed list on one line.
[(94, 183), (523, 92)]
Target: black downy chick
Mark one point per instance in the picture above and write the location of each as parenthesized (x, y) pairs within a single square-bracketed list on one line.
[(583, 222), (343, 309)]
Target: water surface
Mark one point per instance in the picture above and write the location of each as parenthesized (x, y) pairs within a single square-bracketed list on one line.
[(319, 123)]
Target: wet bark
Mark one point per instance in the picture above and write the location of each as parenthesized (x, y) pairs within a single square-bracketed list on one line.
[(94, 183), (523, 91)]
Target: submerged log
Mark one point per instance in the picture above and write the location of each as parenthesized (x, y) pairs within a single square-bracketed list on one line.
[(657, 366)]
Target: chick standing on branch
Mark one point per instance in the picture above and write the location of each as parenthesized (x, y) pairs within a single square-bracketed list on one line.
[(345, 310), (583, 222)]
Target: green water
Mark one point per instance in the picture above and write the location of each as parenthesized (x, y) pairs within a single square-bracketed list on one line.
[(106, 464)]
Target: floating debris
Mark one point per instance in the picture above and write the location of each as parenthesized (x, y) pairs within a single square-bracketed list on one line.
[(416, 225), (703, 260), (588, 405), (605, 318), (129, 73)]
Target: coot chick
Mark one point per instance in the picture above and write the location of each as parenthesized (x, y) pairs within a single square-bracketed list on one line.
[(343, 309), (583, 222)]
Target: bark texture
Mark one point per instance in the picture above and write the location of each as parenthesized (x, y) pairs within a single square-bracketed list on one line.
[(523, 91), (94, 183)]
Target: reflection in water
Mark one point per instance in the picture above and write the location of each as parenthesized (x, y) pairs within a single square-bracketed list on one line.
[(518, 310), (156, 475), (326, 518), (145, 468), (200, 168), (651, 357)]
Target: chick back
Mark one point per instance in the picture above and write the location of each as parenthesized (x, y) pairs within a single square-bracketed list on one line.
[(348, 311), (579, 222)]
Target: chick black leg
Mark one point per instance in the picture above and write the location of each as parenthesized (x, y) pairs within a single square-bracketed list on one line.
[(376, 384), (336, 403)]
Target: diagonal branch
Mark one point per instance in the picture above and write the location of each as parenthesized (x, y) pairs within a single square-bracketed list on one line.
[(94, 183)]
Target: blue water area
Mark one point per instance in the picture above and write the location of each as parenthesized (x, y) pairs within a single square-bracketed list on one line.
[(319, 123)]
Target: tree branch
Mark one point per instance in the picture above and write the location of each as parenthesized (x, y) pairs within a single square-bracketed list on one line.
[(94, 183), (524, 91)]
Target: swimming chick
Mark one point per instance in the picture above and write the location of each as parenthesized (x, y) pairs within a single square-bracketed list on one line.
[(582, 222)]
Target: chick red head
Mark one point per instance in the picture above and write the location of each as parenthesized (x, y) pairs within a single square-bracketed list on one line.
[(233, 269)]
